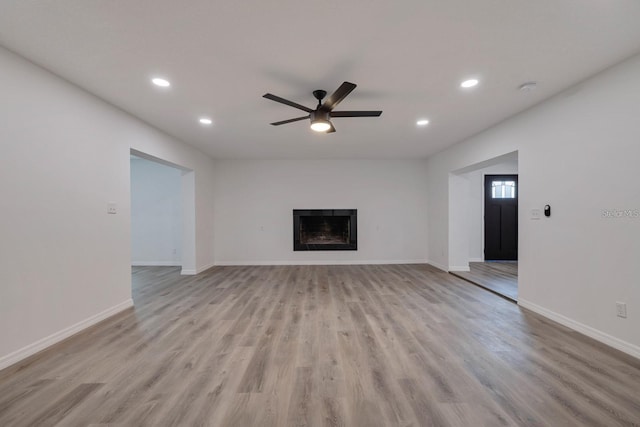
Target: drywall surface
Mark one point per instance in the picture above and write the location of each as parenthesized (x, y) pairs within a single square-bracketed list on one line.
[(459, 216), (64, 154), (577, 152), (254, 202), (156, 213)]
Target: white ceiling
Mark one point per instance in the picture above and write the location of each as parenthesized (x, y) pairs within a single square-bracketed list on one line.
[(407, 57)]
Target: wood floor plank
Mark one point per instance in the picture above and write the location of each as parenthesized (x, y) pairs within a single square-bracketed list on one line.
[(500, 277), (379, 345)]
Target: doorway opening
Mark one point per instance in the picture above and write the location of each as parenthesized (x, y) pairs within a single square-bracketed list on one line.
[(162, 213), (483, 225)]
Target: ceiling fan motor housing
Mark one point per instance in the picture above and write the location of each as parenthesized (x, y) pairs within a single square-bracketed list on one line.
[(319, 115)]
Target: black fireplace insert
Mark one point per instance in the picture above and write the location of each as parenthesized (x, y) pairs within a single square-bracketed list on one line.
[(325, 229)]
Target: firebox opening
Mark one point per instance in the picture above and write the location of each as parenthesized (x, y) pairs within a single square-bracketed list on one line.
[(325, 229)]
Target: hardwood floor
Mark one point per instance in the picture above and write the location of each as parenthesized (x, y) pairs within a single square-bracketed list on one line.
[(500, 277), (400, 345)]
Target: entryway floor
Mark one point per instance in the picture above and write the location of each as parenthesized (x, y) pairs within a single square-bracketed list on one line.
[(500, 277)]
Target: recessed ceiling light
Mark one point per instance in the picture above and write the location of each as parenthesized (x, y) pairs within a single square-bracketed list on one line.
[(160, 82), (469, 83), (422, 122), (205, 121)]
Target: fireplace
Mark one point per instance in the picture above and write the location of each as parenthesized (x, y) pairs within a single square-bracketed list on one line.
[(325, 229)]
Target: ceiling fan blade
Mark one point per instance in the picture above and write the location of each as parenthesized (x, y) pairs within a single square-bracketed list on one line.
[(283, 122), (337, 96), (355, 113), (331, 129), (287, 102)]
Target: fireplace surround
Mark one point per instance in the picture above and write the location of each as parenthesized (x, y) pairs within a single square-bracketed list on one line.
[(325, 229)]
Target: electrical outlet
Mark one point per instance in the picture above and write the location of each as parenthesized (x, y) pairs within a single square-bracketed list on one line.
[(112, 208), (621, 309)]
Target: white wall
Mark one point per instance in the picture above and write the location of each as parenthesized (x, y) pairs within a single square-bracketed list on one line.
[(579, 153), (64, 154), (254, 201), (459, 220), (156, 213)]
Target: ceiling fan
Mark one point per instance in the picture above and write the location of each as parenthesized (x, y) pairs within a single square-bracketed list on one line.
[(324, 111)]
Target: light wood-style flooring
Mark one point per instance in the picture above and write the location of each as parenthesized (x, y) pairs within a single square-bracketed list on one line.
[(500, 277), (399, 345)]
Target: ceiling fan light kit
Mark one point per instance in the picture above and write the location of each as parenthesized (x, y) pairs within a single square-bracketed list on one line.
[(320, 121), (320, 117)]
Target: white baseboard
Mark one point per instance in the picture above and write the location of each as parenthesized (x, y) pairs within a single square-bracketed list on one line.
[(438, 266), (198, 270), (455, 268), (155, 264), (476, 259), (31, 349), (316, 262), (597, 335), (204, 267)]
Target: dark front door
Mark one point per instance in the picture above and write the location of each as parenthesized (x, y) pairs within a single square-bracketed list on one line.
[(501, 217)]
